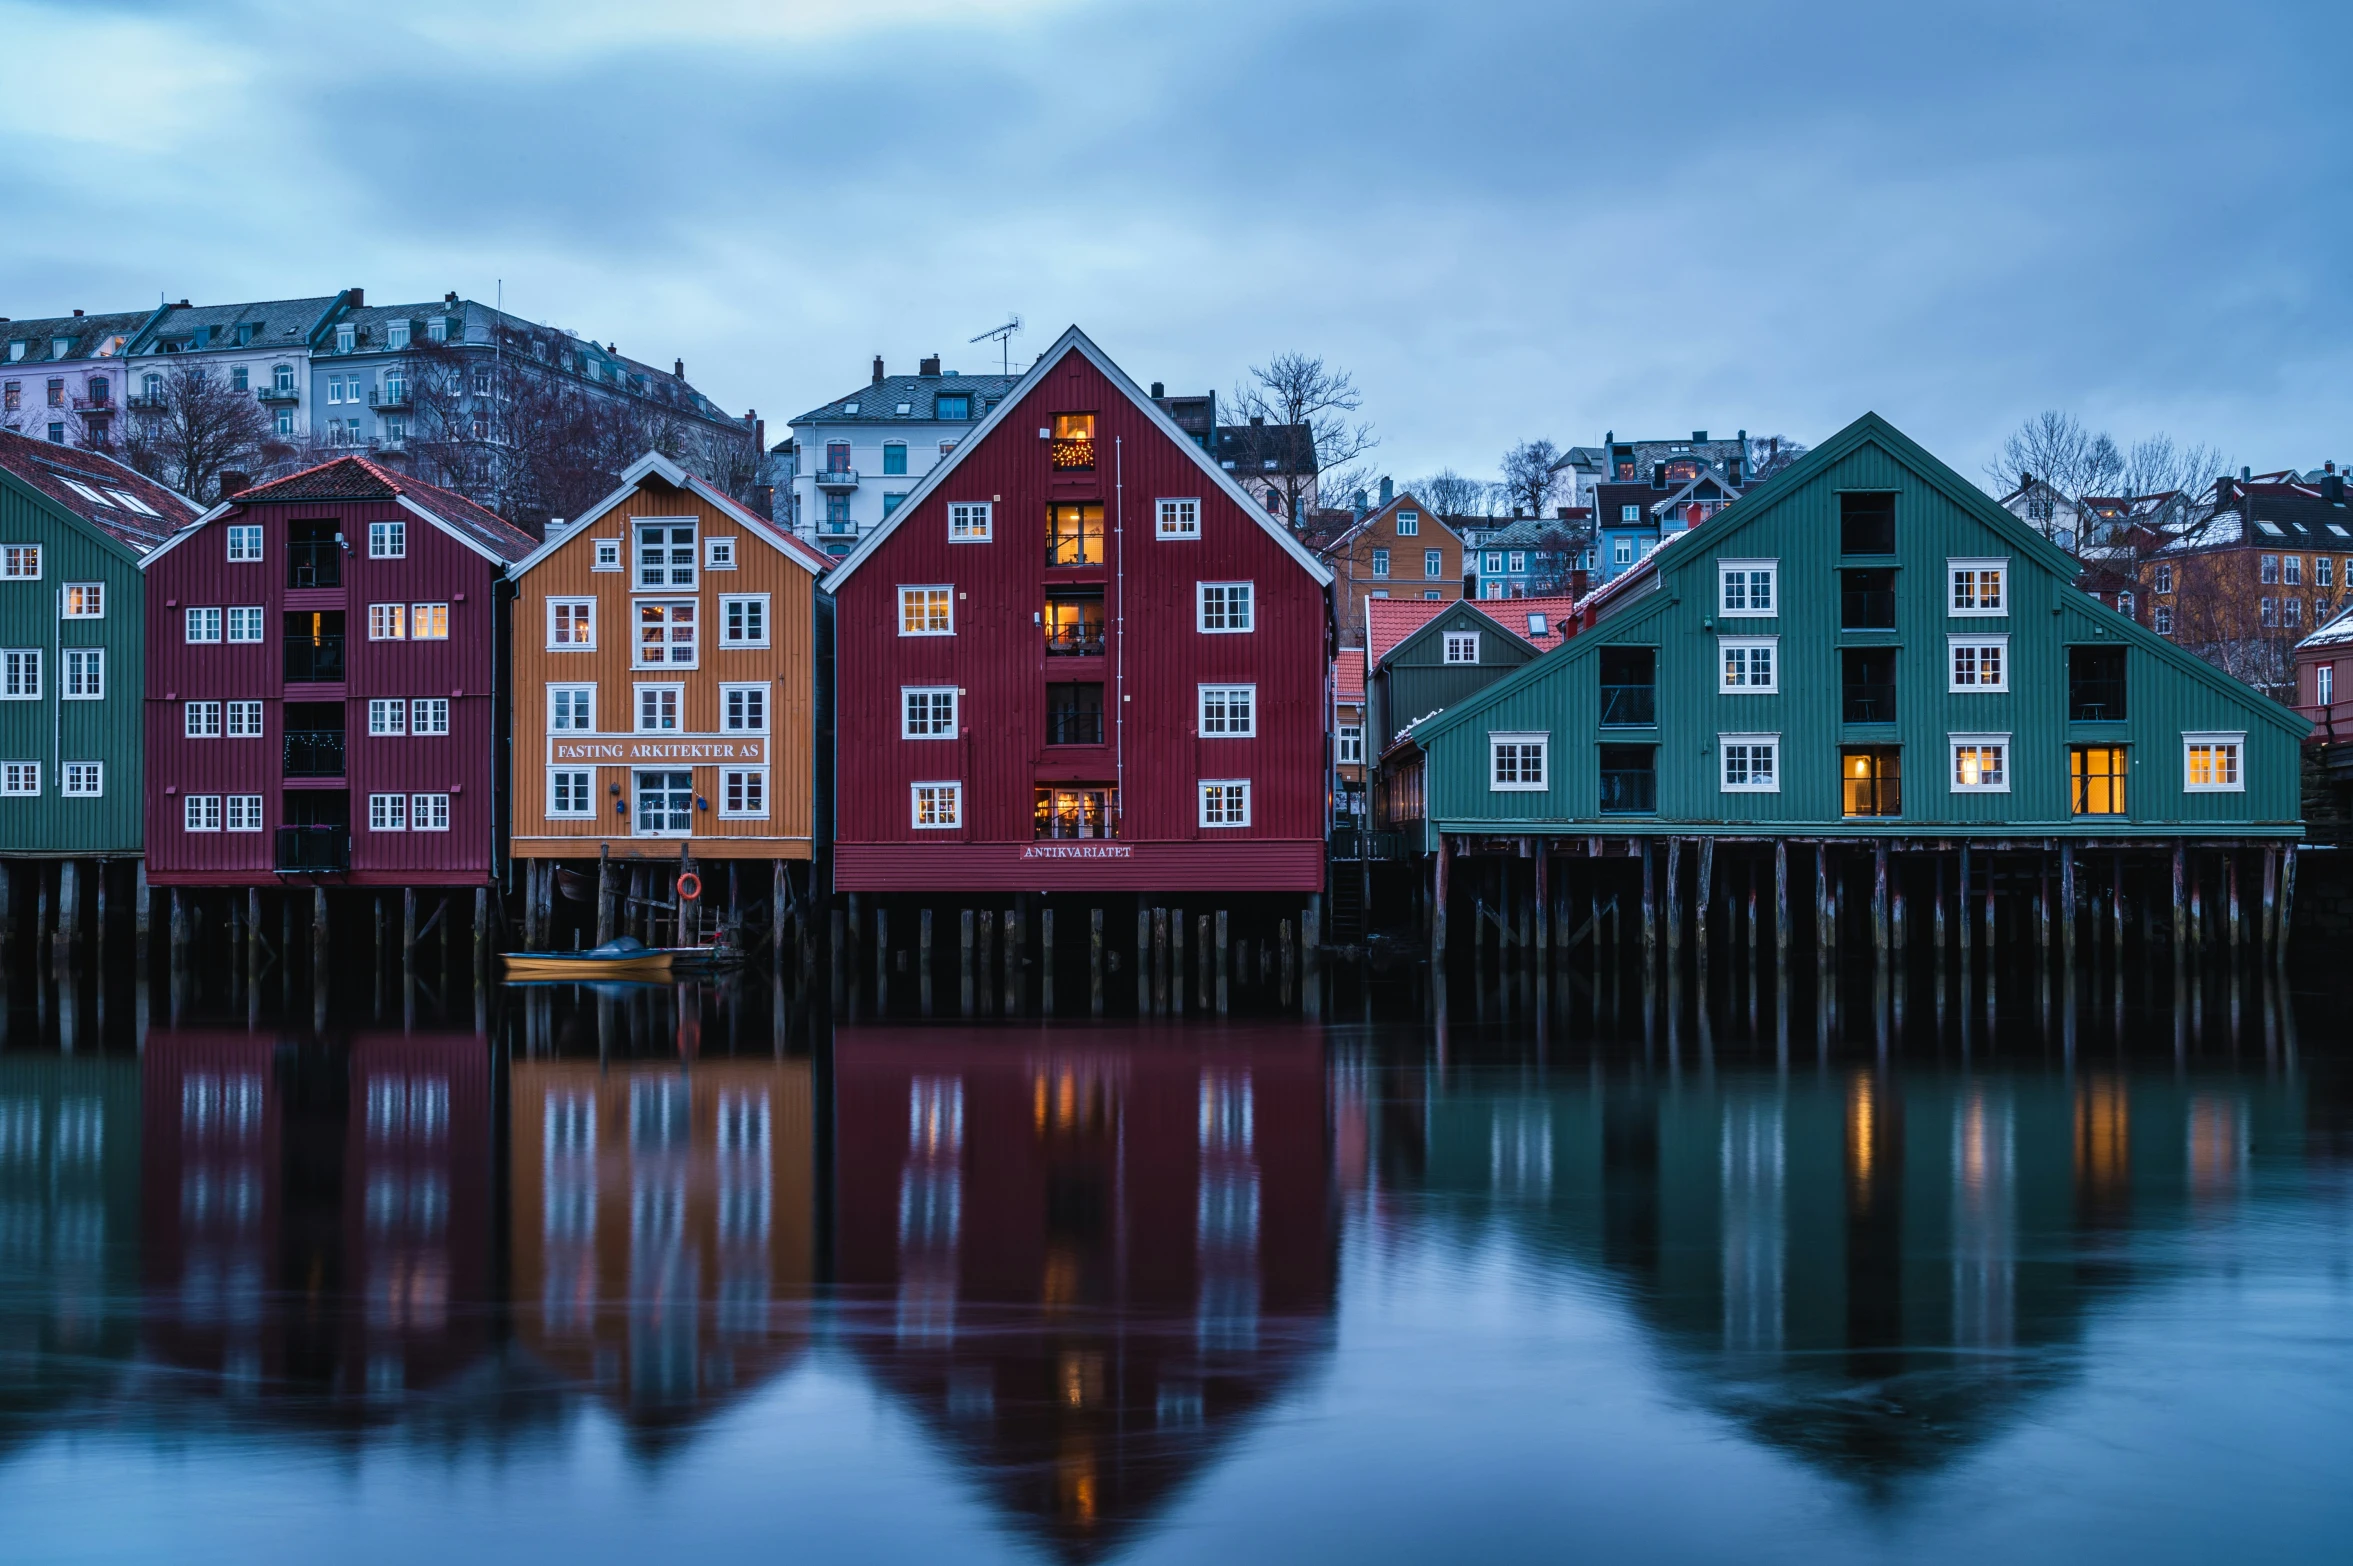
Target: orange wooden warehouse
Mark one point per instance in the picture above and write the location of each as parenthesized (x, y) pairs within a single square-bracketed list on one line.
[(665, 663)]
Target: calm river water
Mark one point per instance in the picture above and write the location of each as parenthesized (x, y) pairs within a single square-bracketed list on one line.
[(682, 1275)]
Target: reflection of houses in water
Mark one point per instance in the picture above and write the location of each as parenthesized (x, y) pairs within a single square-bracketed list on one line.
[(662, 1226), (69, 1225), (317, 1215), (1862, 1268), (1090, 1253)]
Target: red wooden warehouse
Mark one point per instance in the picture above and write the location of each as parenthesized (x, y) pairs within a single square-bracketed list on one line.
[(1078, 658), (325, 658)]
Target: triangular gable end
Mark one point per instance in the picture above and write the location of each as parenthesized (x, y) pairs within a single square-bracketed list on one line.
[(1074, 341), (653, 464), (1435, 626), (79, 523)]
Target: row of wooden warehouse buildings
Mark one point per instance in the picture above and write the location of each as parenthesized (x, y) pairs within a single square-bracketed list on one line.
[(349, 678)]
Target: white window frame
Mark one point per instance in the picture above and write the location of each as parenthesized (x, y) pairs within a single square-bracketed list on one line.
[(2161, 619), (84, 674), (244, 543), (84, 601), (429, 717), (200, 812), (92, 773), (1769, 743), (970, 522), (947, 592), (388, 716), (758, 602), (201, 626), (559, 781), (1515, 563), (1622, 550), (428, 622), (1232, 786), (1226, 693), (254, 615), (388, 540), (561, 609), (727, 777), (1433, 565), (200, 720), (2162, 580), (2237, 741), (20, 674), (637, 711), (1748, 570), (946, 790), (1461, 641), (1727, 645), (20, 779), (669, 608), (1408, 524), (561, 698), (388, 812), (1520, 740), (955, 697), (241, 813), (719, 552), (1977, 566), (1380, 563), (388, 622), (15, 558), (638, 528), (728, 693), (243, 720), (1177, 516), (1952, 661), (1350, 739), (605, 555), (429, 812), (1955, 743), (1249, 605)]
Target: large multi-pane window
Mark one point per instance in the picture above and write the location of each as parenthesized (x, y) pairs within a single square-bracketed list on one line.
[(1752, 763), (665, 554), (666, 634), (1871, 779), (1229, 711), (927, 611), (1516, 762), (927, 712), (1981, 763), (1225, 802), (2211, 763), (2096, 775), (1225, 606), (938, 805), (1074, 534)]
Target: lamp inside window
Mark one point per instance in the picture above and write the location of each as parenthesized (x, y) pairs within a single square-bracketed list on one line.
[(1073, 444)]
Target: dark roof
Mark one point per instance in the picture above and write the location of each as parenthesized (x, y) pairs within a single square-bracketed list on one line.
[(1247, 448), (356, 478), (283, 323), (87, 331), (46, 468), (878, 402)]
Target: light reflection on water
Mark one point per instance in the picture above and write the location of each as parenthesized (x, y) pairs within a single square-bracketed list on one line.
[(656, 1271)]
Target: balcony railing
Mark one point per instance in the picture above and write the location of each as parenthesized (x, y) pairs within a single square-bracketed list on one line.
[(1629, 706), (396, 396), (314, 753), (842, 479), (1867, 609), (1867, 703), (1629, 791), (2095, 701), (315, 660), (276, 394), (1074, 728), (314, 563), (1350, 842), (1071, 455), (1083, 640), (145, 402), (312, 849)]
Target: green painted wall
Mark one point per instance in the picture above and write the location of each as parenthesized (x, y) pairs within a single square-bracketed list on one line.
[(1415, 679), (52, 731), (1794, 520)]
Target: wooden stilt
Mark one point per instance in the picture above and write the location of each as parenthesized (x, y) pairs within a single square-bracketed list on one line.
[(1095, 962), (969, 926), (1221, 962), (984, 963), (2287, 904), (2181, 927), (1781, 909), (1703, 900), (604, 893), (2230, 880), (779, 894), (1176, 962), (1961, 906), (2269, 927), (1543, 905), (319, 949), (1046, 960), (482, 931), (882, 954), (1445, 861), (1159, 961), (179, 931), (2067, 906), (408, 927), (141, 902), (1016, 931), (923, 957), (253, 935), (1674, 903), (1202, 959)]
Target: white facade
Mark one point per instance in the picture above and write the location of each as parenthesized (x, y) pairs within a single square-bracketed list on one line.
[(858, 456)]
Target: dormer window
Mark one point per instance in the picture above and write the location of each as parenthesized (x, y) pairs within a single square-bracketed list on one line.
[(955, 406), (59, 347), (396, 334), (1073, 443), (437, 329)]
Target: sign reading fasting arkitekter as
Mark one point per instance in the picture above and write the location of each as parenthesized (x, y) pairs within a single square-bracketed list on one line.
[(626, 750)]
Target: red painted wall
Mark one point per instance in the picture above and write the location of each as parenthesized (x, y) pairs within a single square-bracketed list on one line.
[(997, 656)]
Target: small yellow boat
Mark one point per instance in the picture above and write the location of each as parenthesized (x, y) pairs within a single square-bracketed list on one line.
[(625, 958)]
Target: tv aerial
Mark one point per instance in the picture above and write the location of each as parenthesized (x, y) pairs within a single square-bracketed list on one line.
[(1004, 338)]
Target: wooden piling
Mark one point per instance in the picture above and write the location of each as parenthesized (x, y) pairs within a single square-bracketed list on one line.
[(1961, 906), (1159, 961), (408, 927), (779, 892), (253, 935), (1016, 930), (44, 938), (923, 956), (1176, 961), (1703, 899), (1543, 906), (1095, 962), (1290, 960), (1046, 960), (1201, 962), (1221, 962), (967, 961), (2181, 935), (882, 954), (2230, 879), (604, 893), (2287, 903), (482, 933), (2268, 929), (1445, 860), (1781, 909), (1825, 935), (69, 913), (985, 961), (319, 959), (142, 899), (2067, 906), (1674, 902), (1650, 924), (1880, 944), (179, 932)]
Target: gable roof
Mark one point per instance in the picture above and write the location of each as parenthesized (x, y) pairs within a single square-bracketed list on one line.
[(54, 470), (878, 402), (1389, 621), (356, 478), (654, 465), (1392, 622), (1076, 341), (1347, 678), (1347, 532), (85, 335)]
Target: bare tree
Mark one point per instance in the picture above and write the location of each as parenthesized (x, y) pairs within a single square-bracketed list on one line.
[(1529, 478), (1554, 553), (1313, 406), (1769, 454), (1449, 494), (194, 429)]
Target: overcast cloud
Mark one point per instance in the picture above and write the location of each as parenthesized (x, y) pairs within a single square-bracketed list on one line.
[(1508, 220)]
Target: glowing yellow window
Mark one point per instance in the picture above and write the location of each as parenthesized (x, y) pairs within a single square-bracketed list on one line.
[(2096, 774), (1074, 441)]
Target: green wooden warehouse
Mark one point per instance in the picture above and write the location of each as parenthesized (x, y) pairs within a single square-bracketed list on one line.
[(1869, 660), (73, 526)]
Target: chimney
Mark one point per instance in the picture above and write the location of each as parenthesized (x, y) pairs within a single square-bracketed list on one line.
[(234, 483), (878, 369), (928, 366), (1158, 391), (357, 298), (1361, 507), (1388, 490), (1561, 512), (1258, 418), (2222, 493), (1698, 436), (182, 305), (77, 315), (2246, 475), (678, 369), (2332, 486), (450, 298)]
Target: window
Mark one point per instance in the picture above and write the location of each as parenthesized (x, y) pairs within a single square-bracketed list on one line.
[(1494, 561), (85, 779), (1866, 524), (241, 719), (1351, 736), (1752, 763), (666, 634), (2124, 605), (1629, 514), (1745, 587), (1409, 524), (246, 623), (2291, 612), (200, 813), (2291, 570), (1980, 663), (1462, 647), (2269, 570), (203, 625), (2164, 578), (1074, 535), (571, 709), (2211, 763), (837, 515), (1872, 780), (85, 600), (2096, 778), (952, 405), (743, 793), (20, 674), (20, 562), (429, 812), (743, 709), (429, 622), (388, 812), (571, 624), (2324, 684), (1224, 606), (388, 622), (1518, 562), (200, 720), (1750, 667), (244, 812), (1980, 763), (2323, 572), (282, 378), (396, 334), (1225, 802), (938, 805), (608, 555), (245, 541), (665, 554), (894, 458), (429, 715), (282, 422), (85, 674), (1516, 762), (1380, 562), (1073, 441), (743, 621), (1978, 586), (718, 554), (568, 791), (927, 712), (657, 708), (926, 611), (20, 777), (388, 540), (971, 522), (1433, 564), (344, 335), (1429, 593), (1229, 711), (2161, 619), (437, 329), (2267, 611)]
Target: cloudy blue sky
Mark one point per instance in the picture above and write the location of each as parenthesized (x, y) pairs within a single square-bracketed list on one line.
[(1507, 220)]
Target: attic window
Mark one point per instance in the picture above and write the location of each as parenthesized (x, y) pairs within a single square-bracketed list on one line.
[(134, 503), (958, 406), (2269, 527), (85, 491), (849, 407), (2337, 529), (906, 408), (1537, 626)]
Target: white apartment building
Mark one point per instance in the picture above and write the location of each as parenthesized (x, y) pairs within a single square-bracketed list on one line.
[(861, 454)]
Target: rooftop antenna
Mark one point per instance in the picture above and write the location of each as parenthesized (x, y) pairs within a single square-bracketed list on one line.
[(1004, 336)]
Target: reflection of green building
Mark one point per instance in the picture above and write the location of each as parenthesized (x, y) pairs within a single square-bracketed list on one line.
[(1869, 1270), (69, 1226)]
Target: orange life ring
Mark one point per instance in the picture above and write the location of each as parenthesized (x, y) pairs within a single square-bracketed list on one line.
[(690, 886)]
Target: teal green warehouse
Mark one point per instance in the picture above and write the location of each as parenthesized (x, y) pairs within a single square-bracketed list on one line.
[(1864, 647), (73, 525)]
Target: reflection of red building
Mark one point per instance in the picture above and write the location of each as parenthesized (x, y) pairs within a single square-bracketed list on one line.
[(1086, 1250)]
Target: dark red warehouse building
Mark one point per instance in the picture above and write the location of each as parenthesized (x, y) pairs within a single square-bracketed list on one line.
[(1078, 658)]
